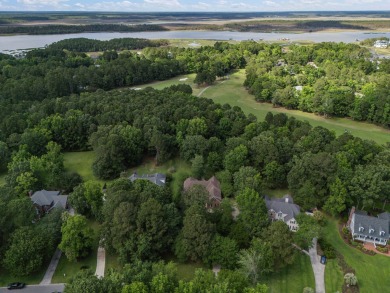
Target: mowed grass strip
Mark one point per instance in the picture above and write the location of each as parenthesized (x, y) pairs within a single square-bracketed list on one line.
[(372, 271), (292, 279), (66, 269), (333, 276), (232, 92)]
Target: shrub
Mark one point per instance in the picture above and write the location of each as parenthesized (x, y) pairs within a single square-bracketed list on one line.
[(346, 231), (327, 248), (382, 249), (350, 279)]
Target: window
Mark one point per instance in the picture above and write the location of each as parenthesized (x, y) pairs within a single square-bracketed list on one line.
[(371, 230)]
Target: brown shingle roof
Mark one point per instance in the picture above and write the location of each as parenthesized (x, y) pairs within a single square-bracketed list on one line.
[(212, 186)]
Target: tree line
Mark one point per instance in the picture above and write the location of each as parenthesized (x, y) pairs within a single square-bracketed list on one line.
[(52, 29), (90, 45)]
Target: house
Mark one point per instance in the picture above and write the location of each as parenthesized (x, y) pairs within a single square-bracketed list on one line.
[(312, 64), (283, 209), (157, 178), (212, 186), (44, 200), (368, 228), (381, 44)]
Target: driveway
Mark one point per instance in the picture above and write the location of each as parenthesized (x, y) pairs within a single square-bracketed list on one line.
[(101, 262), (38, 289), (52, 268), (318, 268)]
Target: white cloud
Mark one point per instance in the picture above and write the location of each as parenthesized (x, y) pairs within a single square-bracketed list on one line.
[(167, 3), (41, 2)]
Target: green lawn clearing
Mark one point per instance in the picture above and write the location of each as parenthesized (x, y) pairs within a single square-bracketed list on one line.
[(112, 262), (186, 271), (333, 276), (280, 192), (36, 278), (232, 92), (66, 269), (80, 162), (294, 278), (372, 271)]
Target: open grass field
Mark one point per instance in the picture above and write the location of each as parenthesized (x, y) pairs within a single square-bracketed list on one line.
[(372, 271), (80, 162), (6, 278), (233, 93), (333, 276), (66, 269), (294, 278)]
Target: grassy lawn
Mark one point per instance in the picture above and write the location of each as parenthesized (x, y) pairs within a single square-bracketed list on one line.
[(294, 278), (333, 276), (186, 271), (372, 271), (6, 278), (233, 93), (276, 192), (112, 262), (80, 162), (66, 269)]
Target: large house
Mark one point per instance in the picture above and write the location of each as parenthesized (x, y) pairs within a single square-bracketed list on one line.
[(212, 186), (44, 200), (368, 228), (381, 44), (283, 209), (157, 178)]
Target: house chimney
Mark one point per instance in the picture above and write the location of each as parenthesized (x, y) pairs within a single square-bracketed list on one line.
[(30, 193), (286, 199)]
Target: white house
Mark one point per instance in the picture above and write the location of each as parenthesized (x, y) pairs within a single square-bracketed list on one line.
[(283, 209), (381, 44), (368, 228)]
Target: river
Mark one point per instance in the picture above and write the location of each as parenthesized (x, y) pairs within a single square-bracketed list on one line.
[(22, 42)]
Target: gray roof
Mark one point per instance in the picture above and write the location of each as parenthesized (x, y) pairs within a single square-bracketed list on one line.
[(385, 216), (284, 205), (368, 223), (44, 197), (157, 178)]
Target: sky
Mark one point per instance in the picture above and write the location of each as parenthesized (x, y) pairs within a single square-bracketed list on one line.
[(193, 5)]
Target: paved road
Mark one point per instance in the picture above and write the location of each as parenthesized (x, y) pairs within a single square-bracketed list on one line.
[(37, 289), (101, 262), (318, 268), (52, 268)]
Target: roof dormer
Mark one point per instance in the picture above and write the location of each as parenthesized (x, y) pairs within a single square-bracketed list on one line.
[(361, 228)]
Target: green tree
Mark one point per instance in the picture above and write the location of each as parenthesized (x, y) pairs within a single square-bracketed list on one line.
[(196, 195), (223, 251), (247, 177), (77, 237), (236, 158), (197, 166), (279, 236), (309, 228), (26, 253), (87, 199), (260, 288), (135, 287), (196, 234), (336, 202), (253, 212), (255, 263)]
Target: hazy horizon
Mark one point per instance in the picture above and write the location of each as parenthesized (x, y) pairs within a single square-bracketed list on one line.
[(194, 6)]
